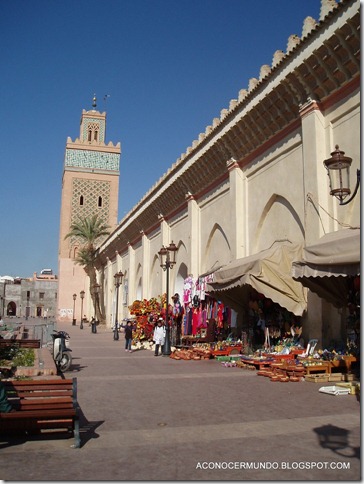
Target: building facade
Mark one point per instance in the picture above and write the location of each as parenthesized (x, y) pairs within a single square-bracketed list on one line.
[(34, 297), (255, 177), (90, 186)]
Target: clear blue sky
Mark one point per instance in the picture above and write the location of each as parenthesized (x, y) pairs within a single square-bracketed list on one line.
[(169, 67)]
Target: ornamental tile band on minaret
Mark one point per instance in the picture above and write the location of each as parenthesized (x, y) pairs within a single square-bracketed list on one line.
[(90, 185)]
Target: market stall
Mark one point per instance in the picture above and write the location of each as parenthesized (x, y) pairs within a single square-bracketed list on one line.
[(325, 267)]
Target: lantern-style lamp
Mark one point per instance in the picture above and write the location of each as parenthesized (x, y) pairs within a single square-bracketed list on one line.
[(338, 169)]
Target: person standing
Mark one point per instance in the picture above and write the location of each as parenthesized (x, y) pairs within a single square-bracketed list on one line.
[(128, 336), (159, 336)]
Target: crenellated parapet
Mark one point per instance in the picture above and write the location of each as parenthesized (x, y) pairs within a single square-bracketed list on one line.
[(309, 25), (79, 142)]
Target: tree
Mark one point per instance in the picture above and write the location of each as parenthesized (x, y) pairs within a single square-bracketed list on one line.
[(89, 231)]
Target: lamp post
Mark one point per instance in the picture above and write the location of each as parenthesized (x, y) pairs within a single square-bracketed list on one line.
[(96, 297), (82, 295), (73, 312), (338, 170), (118, 277), (167, 257)]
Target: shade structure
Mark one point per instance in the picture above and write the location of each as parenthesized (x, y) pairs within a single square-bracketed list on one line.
[(268, 272), (326, 265)]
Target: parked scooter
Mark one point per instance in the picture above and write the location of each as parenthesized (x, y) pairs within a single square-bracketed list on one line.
[(61, 352)]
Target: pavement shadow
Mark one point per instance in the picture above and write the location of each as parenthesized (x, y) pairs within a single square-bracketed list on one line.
[(9, 441), (76, 367), (88, 428), (337, 440)]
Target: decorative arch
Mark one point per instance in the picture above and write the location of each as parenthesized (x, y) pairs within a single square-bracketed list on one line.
[(180, 269), (139, 283), (125, 288), (273, 224), (218, 249), (139, 289), (155, 277), (182, 274)]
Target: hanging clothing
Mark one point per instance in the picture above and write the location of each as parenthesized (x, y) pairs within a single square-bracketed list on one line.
[(195, 320)]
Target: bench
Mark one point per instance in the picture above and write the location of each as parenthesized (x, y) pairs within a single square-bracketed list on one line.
[(20, 343), (42, 405)]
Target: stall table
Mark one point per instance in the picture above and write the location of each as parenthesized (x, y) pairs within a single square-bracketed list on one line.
[(227, 351), (259, 363), (324, 367), (344, 364)]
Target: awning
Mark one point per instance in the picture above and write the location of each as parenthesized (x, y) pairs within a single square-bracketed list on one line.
[(268, 272), (325, 266)]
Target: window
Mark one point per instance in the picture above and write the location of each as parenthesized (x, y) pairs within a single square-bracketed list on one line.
[(81, 200), (100, 202), (41, 296)]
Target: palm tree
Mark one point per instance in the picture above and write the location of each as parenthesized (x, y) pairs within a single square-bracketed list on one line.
[(89, 232)]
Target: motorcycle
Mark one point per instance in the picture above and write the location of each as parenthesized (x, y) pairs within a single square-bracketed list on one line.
[(61, 351)]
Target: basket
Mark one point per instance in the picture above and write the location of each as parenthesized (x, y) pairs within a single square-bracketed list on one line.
[(317, 378), (353, 387), (335, 377)]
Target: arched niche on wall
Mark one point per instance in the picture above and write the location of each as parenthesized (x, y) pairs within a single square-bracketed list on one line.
[(182, 274), (125, 289), (155, 277), (279, 221), (218, 250), (138, 283), (180, 269)]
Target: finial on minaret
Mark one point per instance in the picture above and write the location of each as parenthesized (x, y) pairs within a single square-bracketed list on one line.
[(94, 101)]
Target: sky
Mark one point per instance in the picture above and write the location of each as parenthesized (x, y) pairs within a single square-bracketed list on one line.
[(168, 67)]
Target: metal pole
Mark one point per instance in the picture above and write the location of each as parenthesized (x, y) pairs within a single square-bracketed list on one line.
[(73, 313), (116, 329), (167, 343), (81, 323)]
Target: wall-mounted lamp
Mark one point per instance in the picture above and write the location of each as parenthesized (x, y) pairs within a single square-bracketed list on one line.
[(338, 169)]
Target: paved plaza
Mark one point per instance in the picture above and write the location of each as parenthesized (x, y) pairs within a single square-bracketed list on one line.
[(147, 418)]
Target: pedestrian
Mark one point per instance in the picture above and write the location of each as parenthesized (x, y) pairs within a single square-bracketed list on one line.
[(128, 336), (159, 336)]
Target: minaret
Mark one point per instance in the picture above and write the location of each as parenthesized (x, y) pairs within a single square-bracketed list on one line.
[(90, 185)]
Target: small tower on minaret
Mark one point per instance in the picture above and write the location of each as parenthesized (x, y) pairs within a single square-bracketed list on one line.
[(90, 186)]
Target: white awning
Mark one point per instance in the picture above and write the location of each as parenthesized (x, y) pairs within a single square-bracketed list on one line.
[(268, 272), (325, 266)]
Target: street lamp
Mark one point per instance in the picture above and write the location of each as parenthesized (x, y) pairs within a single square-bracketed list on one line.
[(167, 257), (96, 299), (338, 169), (118, 277), (73, 313), (82, 295)]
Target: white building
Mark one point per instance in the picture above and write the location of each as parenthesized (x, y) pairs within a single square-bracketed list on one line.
[(255, 179)]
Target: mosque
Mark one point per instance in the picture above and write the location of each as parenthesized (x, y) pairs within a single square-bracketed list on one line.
[(249, 207)]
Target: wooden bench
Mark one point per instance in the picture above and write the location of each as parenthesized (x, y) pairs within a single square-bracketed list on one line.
[(42, 405), (20, 343)]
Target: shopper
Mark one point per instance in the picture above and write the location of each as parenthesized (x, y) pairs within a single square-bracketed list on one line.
[(128, 336), (159, 336)]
